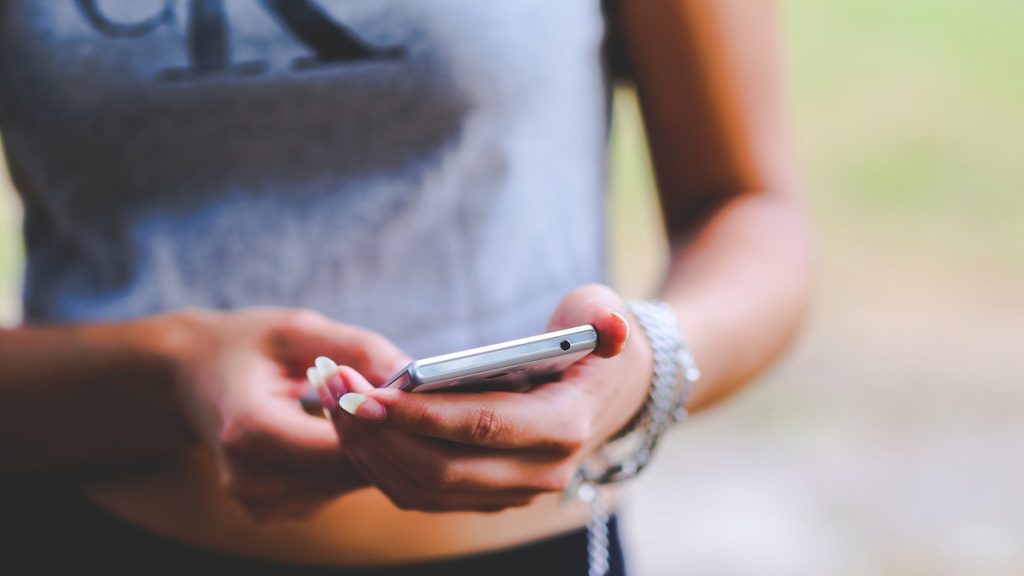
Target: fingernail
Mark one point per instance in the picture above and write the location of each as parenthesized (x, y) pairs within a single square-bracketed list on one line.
[(326, 367), (620, 316), (313, 375), (362, 406), (336, 386)]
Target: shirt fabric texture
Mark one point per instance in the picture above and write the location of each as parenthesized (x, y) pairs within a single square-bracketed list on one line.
[(432, 170)]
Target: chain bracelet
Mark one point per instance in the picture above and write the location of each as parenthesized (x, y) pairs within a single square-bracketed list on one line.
[(674, 373)]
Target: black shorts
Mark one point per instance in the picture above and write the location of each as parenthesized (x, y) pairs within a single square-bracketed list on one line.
[(47, 526)]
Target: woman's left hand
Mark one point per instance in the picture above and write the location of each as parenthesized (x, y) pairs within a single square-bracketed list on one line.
[(487, 451)]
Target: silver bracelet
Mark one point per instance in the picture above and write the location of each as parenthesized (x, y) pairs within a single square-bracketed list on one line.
[(623, 457)]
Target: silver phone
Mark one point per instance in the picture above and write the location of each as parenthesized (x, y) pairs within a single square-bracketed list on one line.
[(512, 365)]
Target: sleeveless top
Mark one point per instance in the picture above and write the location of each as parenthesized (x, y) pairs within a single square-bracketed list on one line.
[(432, 170)]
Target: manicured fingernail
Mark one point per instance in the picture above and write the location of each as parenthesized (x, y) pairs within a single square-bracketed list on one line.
[(362, 406), (313, 375), (624, 322), (326, 366)]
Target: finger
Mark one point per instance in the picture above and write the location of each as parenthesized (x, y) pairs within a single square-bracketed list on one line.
[(382, 464), (370, 353), (353, 380), (379, 472), (281, 432), (407, 493), (351, 388), (444, 466), (326, 378), (549, 417), (600, 307)]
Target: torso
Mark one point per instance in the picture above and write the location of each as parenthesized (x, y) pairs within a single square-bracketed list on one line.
[(185, 502), (447, 152)]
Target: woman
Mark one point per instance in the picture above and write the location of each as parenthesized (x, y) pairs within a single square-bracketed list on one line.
[(397, 179)]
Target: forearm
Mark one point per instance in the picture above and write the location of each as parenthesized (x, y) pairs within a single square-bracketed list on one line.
[(740, 289), (79, 395)]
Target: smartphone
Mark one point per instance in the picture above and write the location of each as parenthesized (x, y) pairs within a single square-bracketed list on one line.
[(513, 365)]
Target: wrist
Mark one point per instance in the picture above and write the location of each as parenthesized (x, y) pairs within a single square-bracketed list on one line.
[(674, 370), (176, 340), (162, 351), (639, 361), (111, 386)]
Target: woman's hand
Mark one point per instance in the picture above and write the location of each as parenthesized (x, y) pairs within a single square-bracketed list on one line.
[(242, 373), (486, 451)]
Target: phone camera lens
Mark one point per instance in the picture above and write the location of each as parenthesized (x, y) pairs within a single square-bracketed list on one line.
[(565, 344)]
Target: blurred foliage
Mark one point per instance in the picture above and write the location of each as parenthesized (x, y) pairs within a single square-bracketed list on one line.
[(909, 115), (11, 249)]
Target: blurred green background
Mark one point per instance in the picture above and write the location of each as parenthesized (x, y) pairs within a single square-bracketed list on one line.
[(891, 438)]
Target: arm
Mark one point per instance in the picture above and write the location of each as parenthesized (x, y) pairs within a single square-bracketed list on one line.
[(74, 396), (80, 395), (738, 279), (707, 74)]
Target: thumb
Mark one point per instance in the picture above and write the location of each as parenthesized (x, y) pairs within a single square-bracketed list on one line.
[(599, 306)]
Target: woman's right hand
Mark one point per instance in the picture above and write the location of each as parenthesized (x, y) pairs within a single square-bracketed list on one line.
[(241, 374)]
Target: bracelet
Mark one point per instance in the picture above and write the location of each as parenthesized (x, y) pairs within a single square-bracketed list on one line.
[(625, 455), (675, 372)]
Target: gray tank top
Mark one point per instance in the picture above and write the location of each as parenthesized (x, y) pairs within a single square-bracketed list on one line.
[(430, 169)]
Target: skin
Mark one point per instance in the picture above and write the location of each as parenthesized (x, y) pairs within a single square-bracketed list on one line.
[(221, 455), (229, 379), (487, 451)]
